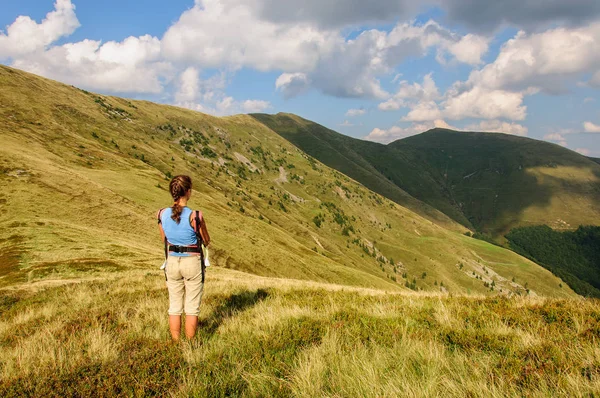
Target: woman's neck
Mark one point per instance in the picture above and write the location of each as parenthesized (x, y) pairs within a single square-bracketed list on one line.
[(182, 202)]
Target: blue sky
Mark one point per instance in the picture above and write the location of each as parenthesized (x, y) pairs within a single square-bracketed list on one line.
[(380, 71)]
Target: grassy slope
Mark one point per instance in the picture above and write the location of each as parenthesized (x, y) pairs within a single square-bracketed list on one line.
[(350, 156), (82, 176), (489, 182), (275, 337)]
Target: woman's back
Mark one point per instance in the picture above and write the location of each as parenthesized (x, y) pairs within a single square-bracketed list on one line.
[(181, 234)]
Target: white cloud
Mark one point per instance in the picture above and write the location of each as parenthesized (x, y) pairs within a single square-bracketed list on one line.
[(556, 137), (498, 126), (394, 133), (292, 84), (25, 36), (217, 33), (355, 112), (587, 100), (132, 65), (469, 49), (482, 103), (188, 85), (422, 112), (590, 127), (254, 106), (347, 124), (426, 103), (543, 60), (410, 94)]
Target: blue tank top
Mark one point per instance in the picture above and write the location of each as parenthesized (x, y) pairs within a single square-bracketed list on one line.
[(181, 234)]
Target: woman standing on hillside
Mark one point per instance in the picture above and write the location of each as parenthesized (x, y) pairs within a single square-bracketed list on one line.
[(183, 232)]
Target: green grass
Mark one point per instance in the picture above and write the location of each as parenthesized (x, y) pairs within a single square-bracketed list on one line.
[(486, 181), (273, 337)]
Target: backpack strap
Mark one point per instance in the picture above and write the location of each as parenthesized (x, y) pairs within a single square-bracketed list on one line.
[(200, 242)]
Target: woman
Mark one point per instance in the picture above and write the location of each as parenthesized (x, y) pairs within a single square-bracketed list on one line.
[(184, 269)]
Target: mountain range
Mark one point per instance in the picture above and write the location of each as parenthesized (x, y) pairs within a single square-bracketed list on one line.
[(83, 174)]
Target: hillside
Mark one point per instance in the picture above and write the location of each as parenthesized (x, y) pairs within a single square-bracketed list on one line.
[(82, 176), (488, 182), (502, 181)]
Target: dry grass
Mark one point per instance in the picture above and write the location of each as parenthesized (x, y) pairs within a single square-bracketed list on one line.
[(271, 337)]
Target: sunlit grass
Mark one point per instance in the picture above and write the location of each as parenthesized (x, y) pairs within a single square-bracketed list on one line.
[(272, 337)]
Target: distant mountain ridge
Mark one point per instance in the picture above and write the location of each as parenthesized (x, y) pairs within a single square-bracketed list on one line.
[(94, 170), (489, 182)]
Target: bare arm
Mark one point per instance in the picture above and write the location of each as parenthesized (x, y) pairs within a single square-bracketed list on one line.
[(160, 228), (203, 231)]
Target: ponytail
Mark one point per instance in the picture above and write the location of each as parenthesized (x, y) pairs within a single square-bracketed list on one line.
[(179, 186), (176, 213)]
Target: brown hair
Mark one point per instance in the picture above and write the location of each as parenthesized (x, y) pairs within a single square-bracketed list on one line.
[(179, 186)]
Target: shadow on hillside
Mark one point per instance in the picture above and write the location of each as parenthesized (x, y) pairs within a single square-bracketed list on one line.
[(230, 306)]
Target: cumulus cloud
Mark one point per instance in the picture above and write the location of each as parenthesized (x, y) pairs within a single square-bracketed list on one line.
[(25, 36), (498, 126), (556, 137), (292, 84), (132, 65), (408, 94), (355, 112), (188, 85), (347, 124), (394, 133), (590, 127), (543, 60), (215, 33), (254, 106), (423, 111), (482, 103), (526, 64)]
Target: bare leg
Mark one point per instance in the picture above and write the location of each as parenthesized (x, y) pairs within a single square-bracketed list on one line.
[(191, 324), (175, 326)]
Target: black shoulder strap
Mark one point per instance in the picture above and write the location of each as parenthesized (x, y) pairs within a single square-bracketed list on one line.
[(199, 237), (197, 229)]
